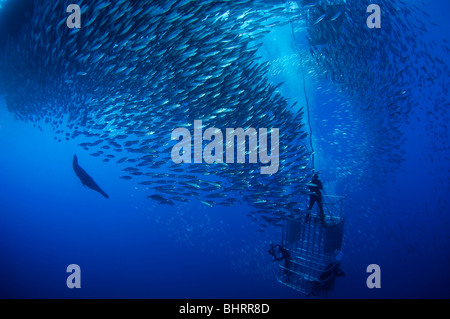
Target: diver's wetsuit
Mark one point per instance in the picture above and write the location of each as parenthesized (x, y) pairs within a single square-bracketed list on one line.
[(286, 256), (316, 196)]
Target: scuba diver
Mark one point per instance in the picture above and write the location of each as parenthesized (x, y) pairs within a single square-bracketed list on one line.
[(284, 255), (326, 279), (316, 196), (272, 251)]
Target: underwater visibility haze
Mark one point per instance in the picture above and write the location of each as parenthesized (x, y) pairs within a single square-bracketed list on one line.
[(168, 149)]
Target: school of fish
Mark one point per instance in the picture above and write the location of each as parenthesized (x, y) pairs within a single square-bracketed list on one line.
[(136, 70)]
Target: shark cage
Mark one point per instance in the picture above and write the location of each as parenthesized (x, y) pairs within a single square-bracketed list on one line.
[(312, 248)]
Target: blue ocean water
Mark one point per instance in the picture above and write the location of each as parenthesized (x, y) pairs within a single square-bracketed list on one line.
[(131, 247)]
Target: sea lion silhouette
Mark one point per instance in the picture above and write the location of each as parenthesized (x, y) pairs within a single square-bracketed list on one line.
[(85, 179)]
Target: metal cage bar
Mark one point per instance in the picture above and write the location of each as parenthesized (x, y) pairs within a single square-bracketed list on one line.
[(313, 248)]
